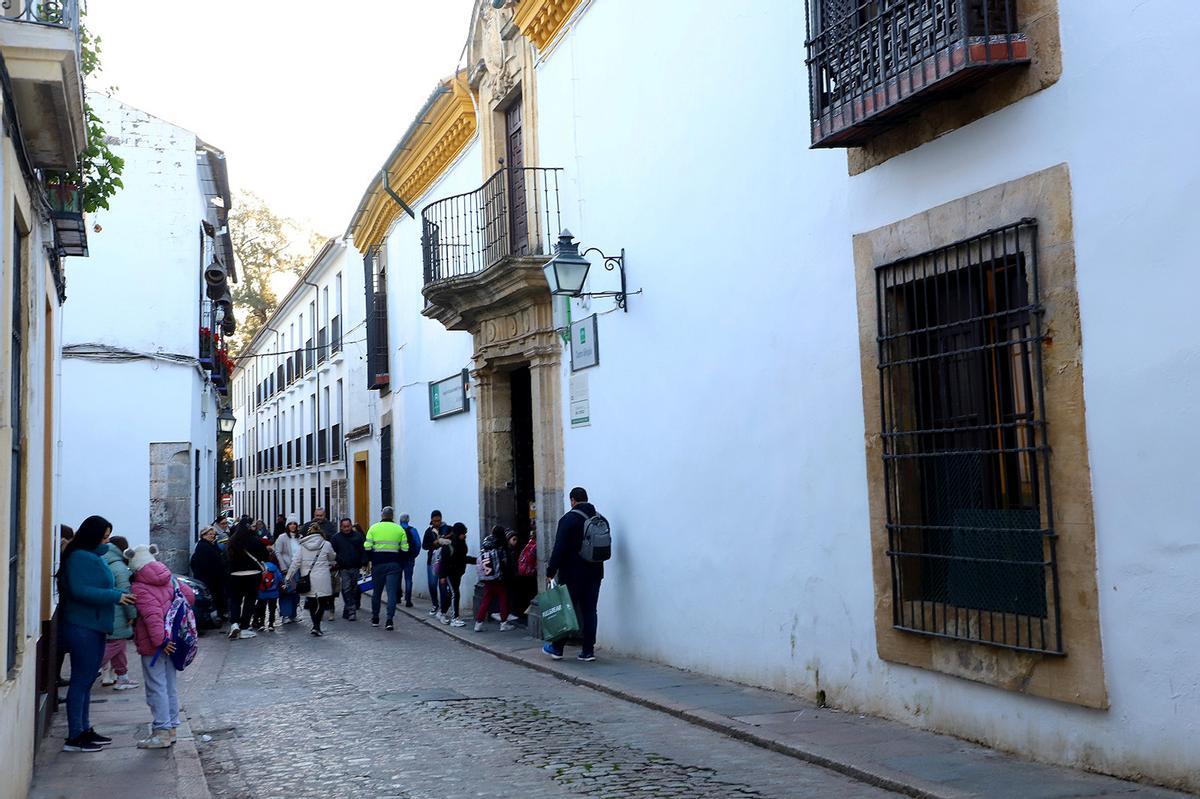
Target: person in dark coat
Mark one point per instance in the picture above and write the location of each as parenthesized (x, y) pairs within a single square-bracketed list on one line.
[(454, 566), (280, 526), (247, 557), (582, 578), (208, 566), (348, 547), (437, 534)]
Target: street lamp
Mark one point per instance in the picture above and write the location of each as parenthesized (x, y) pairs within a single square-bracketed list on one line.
[(567, 271), (225, 420)]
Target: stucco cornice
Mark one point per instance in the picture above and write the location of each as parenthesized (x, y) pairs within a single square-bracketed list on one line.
[(541, 20), (439, 135)]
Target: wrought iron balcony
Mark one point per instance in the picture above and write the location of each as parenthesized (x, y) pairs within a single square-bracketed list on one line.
[(39, 40), (514, 214), (873, 62)]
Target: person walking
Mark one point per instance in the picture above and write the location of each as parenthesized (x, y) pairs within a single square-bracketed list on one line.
[(437, 535), (581, 577), (268, 597), (280, 526), (314, 560), (493, 565), (454, 560), (154, 591), (87, 595), (123, 616), (208, 566), (286, 547), (386, 546), (222, 526), (409, 561), (247, 557), (328, 529), (348, 547)]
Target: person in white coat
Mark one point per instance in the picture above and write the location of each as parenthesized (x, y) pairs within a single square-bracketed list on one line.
[(286, 546), (314, 559)]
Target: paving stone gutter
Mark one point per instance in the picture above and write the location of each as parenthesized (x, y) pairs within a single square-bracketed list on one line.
[(882, 753)]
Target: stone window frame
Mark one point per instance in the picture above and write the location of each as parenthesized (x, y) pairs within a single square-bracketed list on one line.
[(1077, 678), (1039, 21)]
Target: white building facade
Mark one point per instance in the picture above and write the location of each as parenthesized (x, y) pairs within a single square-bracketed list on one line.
[(905, 391), (293, 395), (143, 360), (41, 223)]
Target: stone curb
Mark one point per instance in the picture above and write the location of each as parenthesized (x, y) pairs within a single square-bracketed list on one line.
[(879, 777), (190, 782)]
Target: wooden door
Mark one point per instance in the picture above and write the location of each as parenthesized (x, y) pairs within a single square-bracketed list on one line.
[(518, 221)]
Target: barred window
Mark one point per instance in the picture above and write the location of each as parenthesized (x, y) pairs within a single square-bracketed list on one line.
[(966, 474)]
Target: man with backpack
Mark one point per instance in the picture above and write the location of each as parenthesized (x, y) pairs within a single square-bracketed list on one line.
[(409, 560), (581, 545)]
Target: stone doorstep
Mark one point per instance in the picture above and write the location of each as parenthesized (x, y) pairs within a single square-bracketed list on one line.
[(879, 752)]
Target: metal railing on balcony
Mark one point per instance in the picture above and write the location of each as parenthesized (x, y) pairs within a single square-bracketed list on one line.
[(515, 213), (56, 13), (871, 61)]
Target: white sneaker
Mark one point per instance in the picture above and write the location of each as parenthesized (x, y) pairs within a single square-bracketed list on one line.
[(244, 634), (512, 617), (234, 630), (478, 626), (107, 683), (124, 683), (443, 618), (458, 623), (433, 612), (505, 627), (161, 739), (496, 617)]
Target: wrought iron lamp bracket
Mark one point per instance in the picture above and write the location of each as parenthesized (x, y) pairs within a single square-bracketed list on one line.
[(611, 262)]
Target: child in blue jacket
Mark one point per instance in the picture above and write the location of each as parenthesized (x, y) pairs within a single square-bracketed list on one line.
[(268, 596)]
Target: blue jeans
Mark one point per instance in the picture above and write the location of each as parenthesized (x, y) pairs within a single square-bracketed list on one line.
[(86, 648), (437, 592), (384, 574), (406, 572), (161, 695)]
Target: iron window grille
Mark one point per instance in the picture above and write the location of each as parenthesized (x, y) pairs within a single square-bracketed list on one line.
[(872, 62), (279, 457), (308, 355), (279, 384), (335, 443), (308, 449), (322, 446), (385, 465), (970, 532), (322, 351), (335, 335), (16, 506)]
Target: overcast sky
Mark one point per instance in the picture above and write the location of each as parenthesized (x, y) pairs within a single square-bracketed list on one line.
[(306, 98)]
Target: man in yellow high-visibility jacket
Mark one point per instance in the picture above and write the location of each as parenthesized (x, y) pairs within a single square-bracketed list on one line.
[(386, 546)]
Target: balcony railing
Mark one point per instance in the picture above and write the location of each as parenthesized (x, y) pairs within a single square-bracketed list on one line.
[(515, 213), (871, 62), (56, 13)]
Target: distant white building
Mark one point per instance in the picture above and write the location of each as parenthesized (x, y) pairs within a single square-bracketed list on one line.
[(294, 396), (144, 381), (905, 427)]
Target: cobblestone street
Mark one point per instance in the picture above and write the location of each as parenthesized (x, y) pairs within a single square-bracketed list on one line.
[(366, 713)]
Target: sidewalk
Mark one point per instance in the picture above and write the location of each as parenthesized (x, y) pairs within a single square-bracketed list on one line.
[(121, 770), (883, 753)]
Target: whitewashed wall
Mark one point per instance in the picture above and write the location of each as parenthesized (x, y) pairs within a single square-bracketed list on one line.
[(435, 462), (727, 412), (139, 290)]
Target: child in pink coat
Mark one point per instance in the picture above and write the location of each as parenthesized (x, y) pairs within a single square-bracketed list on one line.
[(153, 589)]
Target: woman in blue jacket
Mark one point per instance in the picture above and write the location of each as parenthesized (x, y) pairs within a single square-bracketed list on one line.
[(87, 595)]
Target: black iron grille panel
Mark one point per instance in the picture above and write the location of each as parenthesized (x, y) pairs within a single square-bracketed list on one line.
[(966, 472), (868, 56)]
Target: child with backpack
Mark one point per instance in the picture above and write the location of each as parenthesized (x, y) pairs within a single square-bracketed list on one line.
[(162, 635), (492, 569), (268, 595)]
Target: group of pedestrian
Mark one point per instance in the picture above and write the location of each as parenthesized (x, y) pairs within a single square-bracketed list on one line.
[(109, 594)]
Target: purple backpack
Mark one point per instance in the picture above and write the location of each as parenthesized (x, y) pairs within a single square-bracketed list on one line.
[(179, 626)]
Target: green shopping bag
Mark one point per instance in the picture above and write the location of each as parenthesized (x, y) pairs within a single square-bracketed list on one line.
[(558, 614)]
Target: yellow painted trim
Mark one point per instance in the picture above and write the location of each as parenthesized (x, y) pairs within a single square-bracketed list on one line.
[(442, 134), (541, 20)]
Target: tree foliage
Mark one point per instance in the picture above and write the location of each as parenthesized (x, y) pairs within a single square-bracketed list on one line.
[(265, 245), (99, 173)]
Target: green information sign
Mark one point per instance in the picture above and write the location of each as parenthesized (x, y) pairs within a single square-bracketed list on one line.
[(449, 396)]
